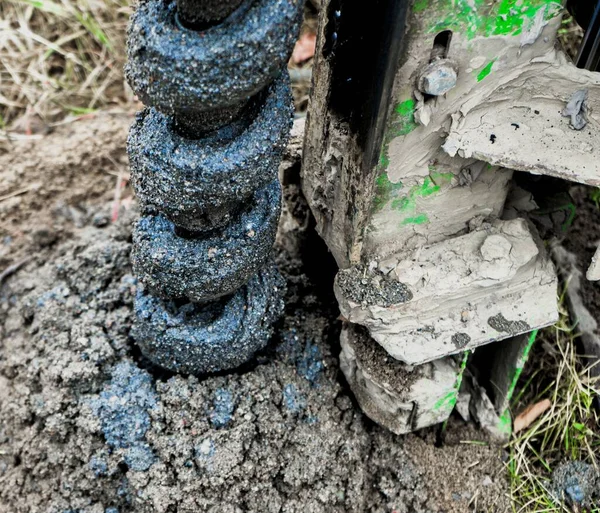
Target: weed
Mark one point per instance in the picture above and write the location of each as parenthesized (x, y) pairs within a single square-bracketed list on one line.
[(569, 430), (595, 196)]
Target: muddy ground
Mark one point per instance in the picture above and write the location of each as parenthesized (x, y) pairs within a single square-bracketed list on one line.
[(86, 425)]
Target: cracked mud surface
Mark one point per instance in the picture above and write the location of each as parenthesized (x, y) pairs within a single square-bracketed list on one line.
[(86, 425)]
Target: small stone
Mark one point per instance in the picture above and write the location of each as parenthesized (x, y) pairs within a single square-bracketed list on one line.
[(205, 447), (44, 237), (100, 220)]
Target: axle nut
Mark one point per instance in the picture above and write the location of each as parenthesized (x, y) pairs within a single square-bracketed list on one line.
[(437, 78)]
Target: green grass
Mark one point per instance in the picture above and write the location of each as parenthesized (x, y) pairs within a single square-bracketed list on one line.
[(570, 430), (595, 196), (61, 58)]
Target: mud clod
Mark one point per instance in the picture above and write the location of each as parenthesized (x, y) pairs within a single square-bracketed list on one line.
[(371, 287), (503, 325), (576, 109), (460, 340), (123, 411), (576, 484)]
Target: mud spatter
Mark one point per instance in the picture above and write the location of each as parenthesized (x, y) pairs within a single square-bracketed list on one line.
[(460, 340), (370, 287), (123, 411), (503, 325)]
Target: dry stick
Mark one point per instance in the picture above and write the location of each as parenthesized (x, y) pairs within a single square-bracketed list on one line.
[(17, 192), (11, 269), (117, 196)]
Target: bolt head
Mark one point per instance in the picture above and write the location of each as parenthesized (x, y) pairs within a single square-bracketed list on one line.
[(437, 78)]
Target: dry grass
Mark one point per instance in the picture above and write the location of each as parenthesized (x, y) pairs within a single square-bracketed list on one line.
[(570, 430), (63, 58), (59, 57)]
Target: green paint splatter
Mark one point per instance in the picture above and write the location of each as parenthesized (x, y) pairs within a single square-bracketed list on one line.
[(403, 122), (420, 5), (487, 69), (478, 18), (440, 178), (408, 203), (450, 398), (420, 219), (384, 191)]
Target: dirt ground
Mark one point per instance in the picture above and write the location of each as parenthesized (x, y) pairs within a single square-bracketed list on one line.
[(86, 425)]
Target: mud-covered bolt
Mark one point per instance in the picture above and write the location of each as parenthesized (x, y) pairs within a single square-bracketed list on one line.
[(437, 78)]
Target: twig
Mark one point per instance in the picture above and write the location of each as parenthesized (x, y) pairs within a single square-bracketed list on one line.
[(117, 196), (18, 192), (11, 269)]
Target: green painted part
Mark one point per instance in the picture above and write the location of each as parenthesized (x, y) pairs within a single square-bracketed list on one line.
[(450, 398), (448, 401), (572, 213), (420, 5), (570, 209), (521, 364), (384, 190), (403, 122), (476, 18), (486, 70), (420, 219), (505, 423)]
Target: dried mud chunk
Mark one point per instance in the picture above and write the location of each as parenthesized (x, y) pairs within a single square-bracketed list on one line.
[(399, 397), (371, 287)]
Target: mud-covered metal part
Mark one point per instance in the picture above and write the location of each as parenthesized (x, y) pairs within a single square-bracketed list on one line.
[(204, 160), (398, 396), (173, 68), (587, 14), (195, 338), (203, 267), (407, 174), (199, 14), (197, 183)]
